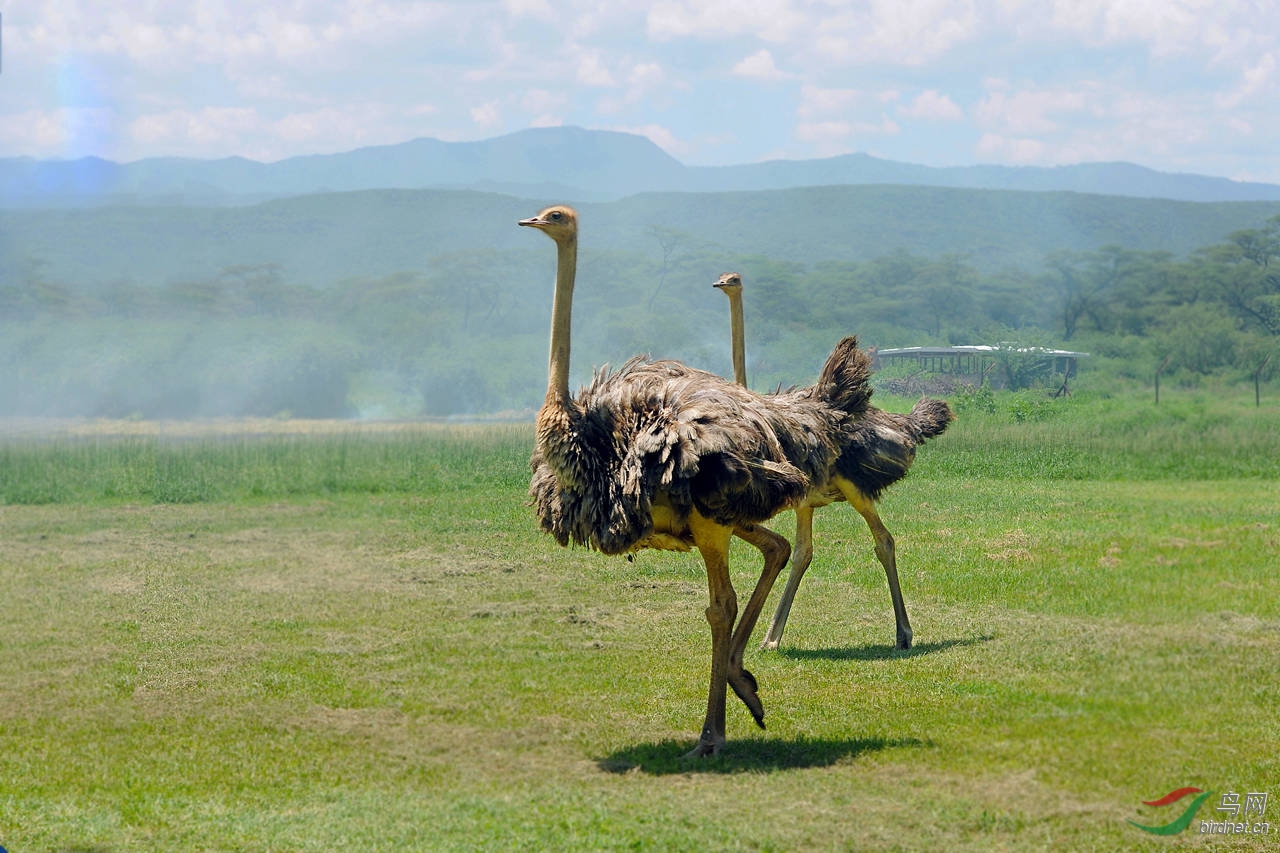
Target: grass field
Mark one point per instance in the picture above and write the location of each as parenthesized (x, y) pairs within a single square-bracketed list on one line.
[(335, 637)]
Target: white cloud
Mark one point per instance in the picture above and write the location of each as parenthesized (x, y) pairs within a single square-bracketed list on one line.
[(198, 126), (832, 120), (172, 34), (540, 9), (660, 136), (486, 115), (894, 32), (1167, 27), (816, 101), (645, 80), (1009, 150), (1183, 84), (827, 131), (1257, 79), (62, 132), (1031, 110), (886, 127), (759, 66), (932, 105), (542, 100), (645, 77), (906, 32), (769, 20), (823, 131), (348, 127), (592, 72)]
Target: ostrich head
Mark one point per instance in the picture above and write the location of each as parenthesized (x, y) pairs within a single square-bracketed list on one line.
[(559, 222), (730, 283)]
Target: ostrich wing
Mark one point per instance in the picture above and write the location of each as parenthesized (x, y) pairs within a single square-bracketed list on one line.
[(663, 434)]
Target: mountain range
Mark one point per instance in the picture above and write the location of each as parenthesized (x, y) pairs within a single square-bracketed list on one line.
[(553, 163), (322, 238)]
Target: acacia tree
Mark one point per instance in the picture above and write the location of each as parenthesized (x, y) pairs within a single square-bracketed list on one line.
[(1093, 285), (1247, 275)]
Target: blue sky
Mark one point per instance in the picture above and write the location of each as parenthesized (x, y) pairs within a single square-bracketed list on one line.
[(1177, 85)]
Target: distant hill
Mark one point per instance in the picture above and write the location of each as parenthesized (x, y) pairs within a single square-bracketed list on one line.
[(567, 163), (322, 238)]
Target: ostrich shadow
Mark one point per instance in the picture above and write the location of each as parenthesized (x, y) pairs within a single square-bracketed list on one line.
[(881, 652), (756, 755)]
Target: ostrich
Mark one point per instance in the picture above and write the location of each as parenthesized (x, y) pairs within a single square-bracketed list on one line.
[(659, 455), (881, 449)]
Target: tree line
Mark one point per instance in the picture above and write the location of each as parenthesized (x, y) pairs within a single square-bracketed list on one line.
[(467, 334)]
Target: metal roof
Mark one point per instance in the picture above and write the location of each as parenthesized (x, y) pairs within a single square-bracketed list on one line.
[(981, 349)]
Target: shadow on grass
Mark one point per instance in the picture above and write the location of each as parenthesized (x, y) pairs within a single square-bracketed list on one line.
[(747, 756), (879, 652)]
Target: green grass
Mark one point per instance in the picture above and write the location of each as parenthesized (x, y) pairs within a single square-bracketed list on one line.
[(97, 465), (309, 642)]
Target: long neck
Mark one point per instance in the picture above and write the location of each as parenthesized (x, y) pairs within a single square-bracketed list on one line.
[(739, 339), (558, 366)]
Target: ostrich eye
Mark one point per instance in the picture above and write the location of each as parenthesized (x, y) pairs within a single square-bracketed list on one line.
[(557, 216)]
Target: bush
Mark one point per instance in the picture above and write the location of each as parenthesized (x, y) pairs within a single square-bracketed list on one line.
[(975, 399)]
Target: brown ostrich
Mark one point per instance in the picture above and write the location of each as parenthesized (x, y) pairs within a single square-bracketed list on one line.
[(880, 450), (659, 455)]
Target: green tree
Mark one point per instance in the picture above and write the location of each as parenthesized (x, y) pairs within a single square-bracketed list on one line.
[(1246, 271), (1093, 285)]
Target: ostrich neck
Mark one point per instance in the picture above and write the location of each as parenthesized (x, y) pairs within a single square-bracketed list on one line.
[(558, 366), (739, 339)]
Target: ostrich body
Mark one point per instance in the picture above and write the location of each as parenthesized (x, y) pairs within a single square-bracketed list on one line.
[(659, 455), (880, 449)]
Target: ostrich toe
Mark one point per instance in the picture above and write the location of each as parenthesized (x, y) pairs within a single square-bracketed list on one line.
[(744, 685)]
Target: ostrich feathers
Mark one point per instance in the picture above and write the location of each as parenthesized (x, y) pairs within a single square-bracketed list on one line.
[(661, 437), (883, 444)]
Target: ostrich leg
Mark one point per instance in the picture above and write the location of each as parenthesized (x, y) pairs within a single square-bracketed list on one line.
[(712, 541), (776, 550), (803, 556), (884, 552)]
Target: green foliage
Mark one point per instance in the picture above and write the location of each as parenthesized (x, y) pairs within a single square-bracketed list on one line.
[(1032, 407), (970, 399), (1215, 434)]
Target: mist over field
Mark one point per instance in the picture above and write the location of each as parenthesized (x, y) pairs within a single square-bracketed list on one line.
[(431, 302)]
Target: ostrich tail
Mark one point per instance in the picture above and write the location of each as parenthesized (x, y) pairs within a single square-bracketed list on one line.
[(845, 381), (929, 418)]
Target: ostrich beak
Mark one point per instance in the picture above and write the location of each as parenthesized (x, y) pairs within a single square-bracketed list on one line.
[(533, 222)]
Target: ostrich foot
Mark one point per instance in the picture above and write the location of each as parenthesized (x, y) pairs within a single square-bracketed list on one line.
[(744, 685), (904, 639), (708, 745)]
